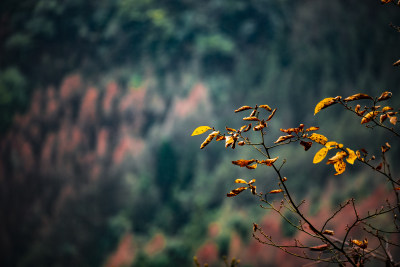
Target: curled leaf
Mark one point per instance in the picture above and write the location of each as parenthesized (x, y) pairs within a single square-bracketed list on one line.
[(240, 181), (320, 247), (357, 97), (362, 244), (243, 162), (384, 96), (340, 167), (236, 191), (250, 118), (382, 118), (312, 128), (265, 107), (338, 157), (209, 138), (220, 138), (387, 108), (352, 156), (271, 115), (229, 141), (283, 138), (230, 129), (251, 167), (268, 162), (201, 130), (276, 191), (306, 145), (242, 108), (397, 63), (247, 128), (319, 138), (259, 127), (252, 181), (324, 104), (320, 155), (241, 143)]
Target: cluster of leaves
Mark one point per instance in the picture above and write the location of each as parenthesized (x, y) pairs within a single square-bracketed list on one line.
[(342, 250)]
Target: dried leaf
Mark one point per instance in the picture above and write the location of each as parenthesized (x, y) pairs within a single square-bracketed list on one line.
[(357, 108), (397, 188), (393, 120), (220, 138), (386, 1), (272, 114), (268, 162), (370, 115), (209, 138), (243, 162), (324, 104), (288, 131), (240, 181), (259, 127), (312, 128), (252, 167), (253, 113), (357, 97), (241, 143), (255, 227), (320, 247), (340, 167), (201, 130), (338, 157), (252, 181), (387, 108), (283, 138), (247, 128), (328, 232), (306, 145), (320, 155), (379, 167), (332, 144), (250, 119), (229, 141), (352, 156), (397, 63), (265, 107), (236, 191), (384, 96), (276, 191), (243, 108), (253, 189), (319, 138), (230, 129)]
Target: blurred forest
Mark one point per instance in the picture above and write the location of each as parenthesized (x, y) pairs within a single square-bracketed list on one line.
[(98, 100)]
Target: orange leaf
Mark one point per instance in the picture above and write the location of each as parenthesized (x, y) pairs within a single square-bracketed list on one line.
[(362, 244), (241, 143), (243, 162), (397, 63), (236, 191), (251, 167), (312, 128), (240, 181), (283, 138), (276, 191), (324, 103), (209, 138), (357, 97), (370, 115), (268, 162), (272, 114), (220, 138), (266, 107), (250, 118), (259, 127), (243, 108), (230, 129)]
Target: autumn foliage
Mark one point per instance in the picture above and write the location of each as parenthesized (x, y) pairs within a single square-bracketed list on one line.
[(364, 238)]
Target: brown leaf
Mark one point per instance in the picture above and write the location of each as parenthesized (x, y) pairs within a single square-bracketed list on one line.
[(255, 227), (243, 162), (283, 138), (384, 96), (397, 63), (243, 108), (382, 118), (259, 127), (238, 190), (253, 189), (320, 247), (268, 162), (230, 129), (265, 107), (272, 114), (276, 191), (386, 1), (241, 143), (306, 145), (379, 167), (288, 131), (393, 120), (250, 118), (357, 97), (247, 128), (209, 138)]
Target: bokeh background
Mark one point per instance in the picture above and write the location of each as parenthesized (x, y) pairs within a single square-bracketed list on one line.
[(98, 100)]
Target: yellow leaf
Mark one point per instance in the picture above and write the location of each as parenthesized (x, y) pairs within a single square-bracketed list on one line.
[(370, 115), (331, 144), (283, 138), (352, 156), (319, 138), (362, 244), (240, 181), (201, 130), (338, 157), (340, 167), (387, 108), (312, 128), (320, 155), (252, 167), (324, 103)]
